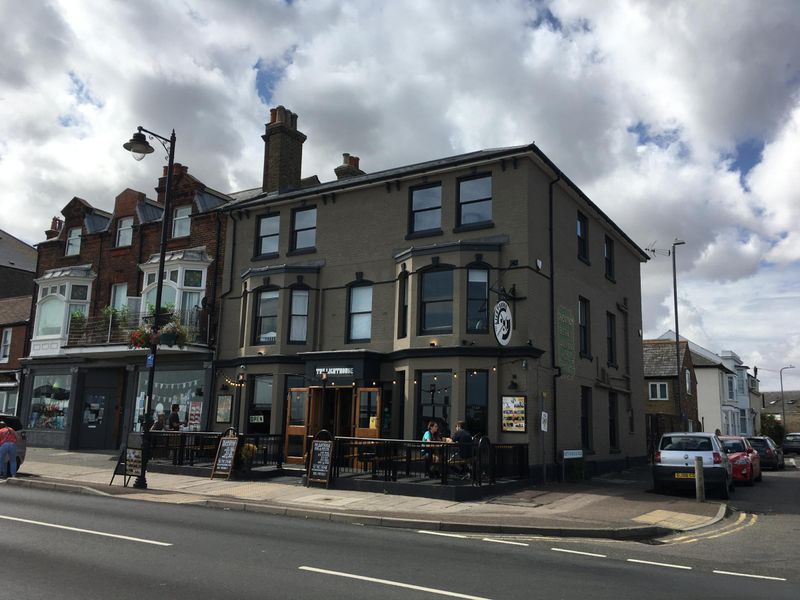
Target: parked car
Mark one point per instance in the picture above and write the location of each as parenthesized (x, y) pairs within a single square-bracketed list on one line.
[(744, 458), (22, 445), (791, 442), (674, 463), (771, 454)]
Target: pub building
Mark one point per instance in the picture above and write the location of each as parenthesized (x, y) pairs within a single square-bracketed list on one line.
[(485, 287), (96, 280)]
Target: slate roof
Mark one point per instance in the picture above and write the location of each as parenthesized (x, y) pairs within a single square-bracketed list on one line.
[(198, 254), (16, 253), (659, 357), (97, 221), (15, 310)]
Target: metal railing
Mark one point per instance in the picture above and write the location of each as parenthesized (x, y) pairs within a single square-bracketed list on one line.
[(199, 449), (117, 327), (478, 462)]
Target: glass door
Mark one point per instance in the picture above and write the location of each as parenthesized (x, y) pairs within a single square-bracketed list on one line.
[(296, 425), (367, 411)]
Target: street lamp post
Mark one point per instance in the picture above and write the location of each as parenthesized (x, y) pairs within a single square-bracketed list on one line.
[(677, 242), (783, 404), (139, 147)]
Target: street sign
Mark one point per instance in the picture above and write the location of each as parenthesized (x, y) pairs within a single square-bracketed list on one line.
[(151, 360), (573, 454), (544, 421)]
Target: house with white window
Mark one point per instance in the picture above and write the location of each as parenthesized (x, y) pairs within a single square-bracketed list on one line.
[(484, 287), (94, 298)]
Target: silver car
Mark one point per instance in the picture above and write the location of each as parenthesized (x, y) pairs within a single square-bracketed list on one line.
[(674, 463), (22, 445)]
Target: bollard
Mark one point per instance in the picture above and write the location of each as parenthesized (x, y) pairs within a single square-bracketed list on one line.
[(699, 483)]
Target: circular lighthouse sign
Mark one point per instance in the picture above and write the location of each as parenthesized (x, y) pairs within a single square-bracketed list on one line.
[(502, 323)]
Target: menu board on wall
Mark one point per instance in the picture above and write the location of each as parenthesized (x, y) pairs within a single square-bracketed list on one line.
[(514, 417), (195, 412)]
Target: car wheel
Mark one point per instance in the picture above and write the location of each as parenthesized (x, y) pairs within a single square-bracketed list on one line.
[(725, 490)]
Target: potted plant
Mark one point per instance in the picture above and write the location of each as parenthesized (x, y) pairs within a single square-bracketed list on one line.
[(174, 334), (244, 457), (77, 325), (141, 337)]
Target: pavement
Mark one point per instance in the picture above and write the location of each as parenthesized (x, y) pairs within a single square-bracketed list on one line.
[(617, 506)]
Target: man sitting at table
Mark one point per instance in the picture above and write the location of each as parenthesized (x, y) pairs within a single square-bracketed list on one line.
[(463, 438)]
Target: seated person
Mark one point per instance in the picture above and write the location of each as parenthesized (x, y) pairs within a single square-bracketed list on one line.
[(463, 456), (431, 456)]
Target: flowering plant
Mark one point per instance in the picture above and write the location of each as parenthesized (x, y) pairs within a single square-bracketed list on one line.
[(174, 334), (140, 337)]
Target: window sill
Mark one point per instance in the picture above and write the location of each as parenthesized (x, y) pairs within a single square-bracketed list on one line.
[(584, 259), (474, 226), (612, 365), (611, 278), (426, 233), (364, 341), (588, 357), (297, 343), (269, 256), (300, 251)]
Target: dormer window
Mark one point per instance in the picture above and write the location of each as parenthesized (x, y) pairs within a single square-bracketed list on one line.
[(73, 242)]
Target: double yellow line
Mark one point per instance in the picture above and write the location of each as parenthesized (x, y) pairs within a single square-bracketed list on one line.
[(741, 523)]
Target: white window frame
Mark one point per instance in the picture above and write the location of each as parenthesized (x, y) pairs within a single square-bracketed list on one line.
[(180, 215), (73, 247), (124, 225), (298, 321), (60, 289), (174, 283), (115, 295), (5, 345), (688, 381), (659, 386)]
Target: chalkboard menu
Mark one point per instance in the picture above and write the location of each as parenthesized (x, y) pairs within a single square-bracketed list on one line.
[(226, 453), (133, 462), (319, 468)]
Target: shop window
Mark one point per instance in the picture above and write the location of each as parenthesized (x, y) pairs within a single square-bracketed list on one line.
[(181, 221), (266, 318), (584, 328), (8, 402), (304, 228), (426, 209), (477, 409), (268, 235), (184, 388), (583, 237), (611, 339), (434, 392), (50, 402), (124, 232), (359, 315), (260, 413), (613, 421), (608, 252), (73, 242), (477, 300), (436, 302), (298, 319), (475, 200), (586, 418), (402, 305), (5, 346)]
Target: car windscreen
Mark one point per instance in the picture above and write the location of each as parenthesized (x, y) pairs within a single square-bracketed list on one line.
[(685, 442), (792, 437), (757, 443), (733, 445)]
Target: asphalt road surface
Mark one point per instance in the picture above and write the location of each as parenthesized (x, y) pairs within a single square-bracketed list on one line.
[(67, 546)]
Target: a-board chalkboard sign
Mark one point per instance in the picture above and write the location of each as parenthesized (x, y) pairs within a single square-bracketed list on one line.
[(226, 454), (133, 462), (319, 469)]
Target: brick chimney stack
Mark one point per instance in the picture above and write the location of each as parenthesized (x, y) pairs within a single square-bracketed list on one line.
[(161, 189), (348, 168), (283, 151), (55, 228)]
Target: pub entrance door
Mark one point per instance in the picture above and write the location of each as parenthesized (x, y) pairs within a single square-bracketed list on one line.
[(296, 426)]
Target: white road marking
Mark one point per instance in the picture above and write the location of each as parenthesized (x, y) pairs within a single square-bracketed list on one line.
[(89, 531), (399, 584), (454, 535), (578, 552), (749, 575), (658, 564), (510, 543)]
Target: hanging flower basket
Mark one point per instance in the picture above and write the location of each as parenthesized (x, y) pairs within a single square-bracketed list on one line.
[(140, 338)]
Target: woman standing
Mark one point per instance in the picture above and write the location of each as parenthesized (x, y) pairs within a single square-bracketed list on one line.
[(8, 450)]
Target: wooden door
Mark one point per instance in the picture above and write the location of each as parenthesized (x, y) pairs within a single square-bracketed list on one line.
[(297, 419), (367, 413)]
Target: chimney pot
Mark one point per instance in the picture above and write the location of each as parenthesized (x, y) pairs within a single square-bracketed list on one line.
[(273, 112), (345, 158)]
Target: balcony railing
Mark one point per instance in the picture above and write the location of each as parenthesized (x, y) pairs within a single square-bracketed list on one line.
[(117, 329)]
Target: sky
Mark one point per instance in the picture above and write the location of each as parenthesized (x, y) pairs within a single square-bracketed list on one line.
[(680, 119)]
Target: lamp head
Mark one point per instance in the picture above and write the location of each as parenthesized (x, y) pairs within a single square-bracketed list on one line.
[(678, 242), (138, 146)]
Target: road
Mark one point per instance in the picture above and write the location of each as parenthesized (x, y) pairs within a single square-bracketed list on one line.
[(63, 546)]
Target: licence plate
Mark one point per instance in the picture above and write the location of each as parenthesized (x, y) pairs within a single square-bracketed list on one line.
[(684, 475)]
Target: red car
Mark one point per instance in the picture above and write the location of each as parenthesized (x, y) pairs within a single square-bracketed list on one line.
[(744, 458)]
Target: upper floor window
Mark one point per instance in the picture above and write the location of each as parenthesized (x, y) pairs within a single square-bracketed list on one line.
[(73, 242), (608, 251), (477, 300), (688, 374), (359, 315), (402, 305), (475, 200), (584, 329), (57, 302), (265, 330), (730, 388), (426, 208), (304, 228), (658, 391), (181, 221), (5, 346), (119, 295), (611, 338), (583, 237), (436, 302), (124, 232), (182, 290), (268, 231), (298, 319)]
